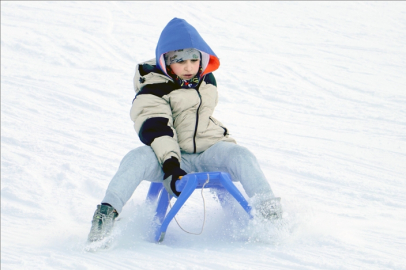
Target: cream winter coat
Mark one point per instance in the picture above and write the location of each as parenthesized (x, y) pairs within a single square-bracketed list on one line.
[(172, 119)]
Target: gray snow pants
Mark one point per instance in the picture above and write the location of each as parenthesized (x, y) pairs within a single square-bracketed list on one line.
[(141, 164)]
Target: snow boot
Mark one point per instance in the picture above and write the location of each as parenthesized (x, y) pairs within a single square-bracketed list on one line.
[(270, 209), (102, 223)]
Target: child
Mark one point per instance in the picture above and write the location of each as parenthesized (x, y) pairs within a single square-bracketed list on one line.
[(176, 94)]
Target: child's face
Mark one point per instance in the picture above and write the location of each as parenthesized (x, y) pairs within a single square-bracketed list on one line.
[(187, 69)]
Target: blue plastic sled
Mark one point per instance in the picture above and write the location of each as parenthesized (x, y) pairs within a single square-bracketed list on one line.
[(219, 181)]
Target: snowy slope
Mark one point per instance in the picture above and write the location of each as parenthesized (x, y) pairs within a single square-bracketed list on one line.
[(315, 89)]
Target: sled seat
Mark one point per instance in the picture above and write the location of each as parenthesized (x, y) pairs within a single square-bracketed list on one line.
[(219, 181)]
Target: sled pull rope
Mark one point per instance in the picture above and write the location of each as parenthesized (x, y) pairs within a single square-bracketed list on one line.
[(204, 209)]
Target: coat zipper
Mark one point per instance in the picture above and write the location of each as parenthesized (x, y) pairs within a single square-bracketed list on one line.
[(197, 115), (197, 122)]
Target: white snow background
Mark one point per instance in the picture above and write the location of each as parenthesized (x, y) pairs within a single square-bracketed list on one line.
[(316, 90)]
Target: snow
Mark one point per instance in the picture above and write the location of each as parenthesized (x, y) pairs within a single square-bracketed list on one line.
[(316, 90)]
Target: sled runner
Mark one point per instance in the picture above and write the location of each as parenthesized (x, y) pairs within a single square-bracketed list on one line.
[(219, 181)]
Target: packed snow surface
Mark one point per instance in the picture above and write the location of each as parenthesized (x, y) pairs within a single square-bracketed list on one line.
[(316, 90)]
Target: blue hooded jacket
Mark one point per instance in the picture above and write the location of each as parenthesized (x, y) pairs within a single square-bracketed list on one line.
[(179, 34)]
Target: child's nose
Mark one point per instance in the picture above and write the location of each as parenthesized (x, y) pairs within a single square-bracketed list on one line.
[(188, 66)]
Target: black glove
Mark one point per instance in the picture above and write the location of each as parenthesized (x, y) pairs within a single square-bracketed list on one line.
[(172, 170)]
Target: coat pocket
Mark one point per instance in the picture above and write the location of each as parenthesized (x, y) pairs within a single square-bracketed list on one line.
[(218, 123)]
